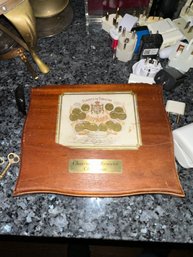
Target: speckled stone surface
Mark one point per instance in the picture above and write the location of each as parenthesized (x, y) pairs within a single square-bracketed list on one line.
[(76, 57)]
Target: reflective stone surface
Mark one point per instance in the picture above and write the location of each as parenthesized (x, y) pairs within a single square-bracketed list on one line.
[(76, 57)]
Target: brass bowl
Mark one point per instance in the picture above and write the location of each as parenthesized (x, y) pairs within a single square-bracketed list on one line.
[(48, 8), (48, 27)]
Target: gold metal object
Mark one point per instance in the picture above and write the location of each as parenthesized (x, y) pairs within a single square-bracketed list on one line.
[(15, 52), (9, 55), (8, 5), (23, 19), (95, 166), (24, 58), (41, 65), (48, 27), (12, 159), (2, 161), (7, 44), (15, 37), (48, 8), (117, 13)]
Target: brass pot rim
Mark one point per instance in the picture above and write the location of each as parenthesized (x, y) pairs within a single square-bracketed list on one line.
[(48, 8)]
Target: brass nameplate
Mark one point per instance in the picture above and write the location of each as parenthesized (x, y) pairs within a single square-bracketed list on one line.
[(95, 166)]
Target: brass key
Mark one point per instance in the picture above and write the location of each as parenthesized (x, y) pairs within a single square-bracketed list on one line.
[(1, 161), (12, 158)]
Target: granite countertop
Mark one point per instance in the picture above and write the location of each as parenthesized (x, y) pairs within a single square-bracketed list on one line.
[(76, 57)]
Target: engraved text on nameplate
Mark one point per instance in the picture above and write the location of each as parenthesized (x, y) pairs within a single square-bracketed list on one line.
[(95, 166)]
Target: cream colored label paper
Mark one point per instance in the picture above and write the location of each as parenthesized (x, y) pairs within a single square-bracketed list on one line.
[(107, 120)]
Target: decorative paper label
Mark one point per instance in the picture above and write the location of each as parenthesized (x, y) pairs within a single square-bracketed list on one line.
[(107, 120)]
